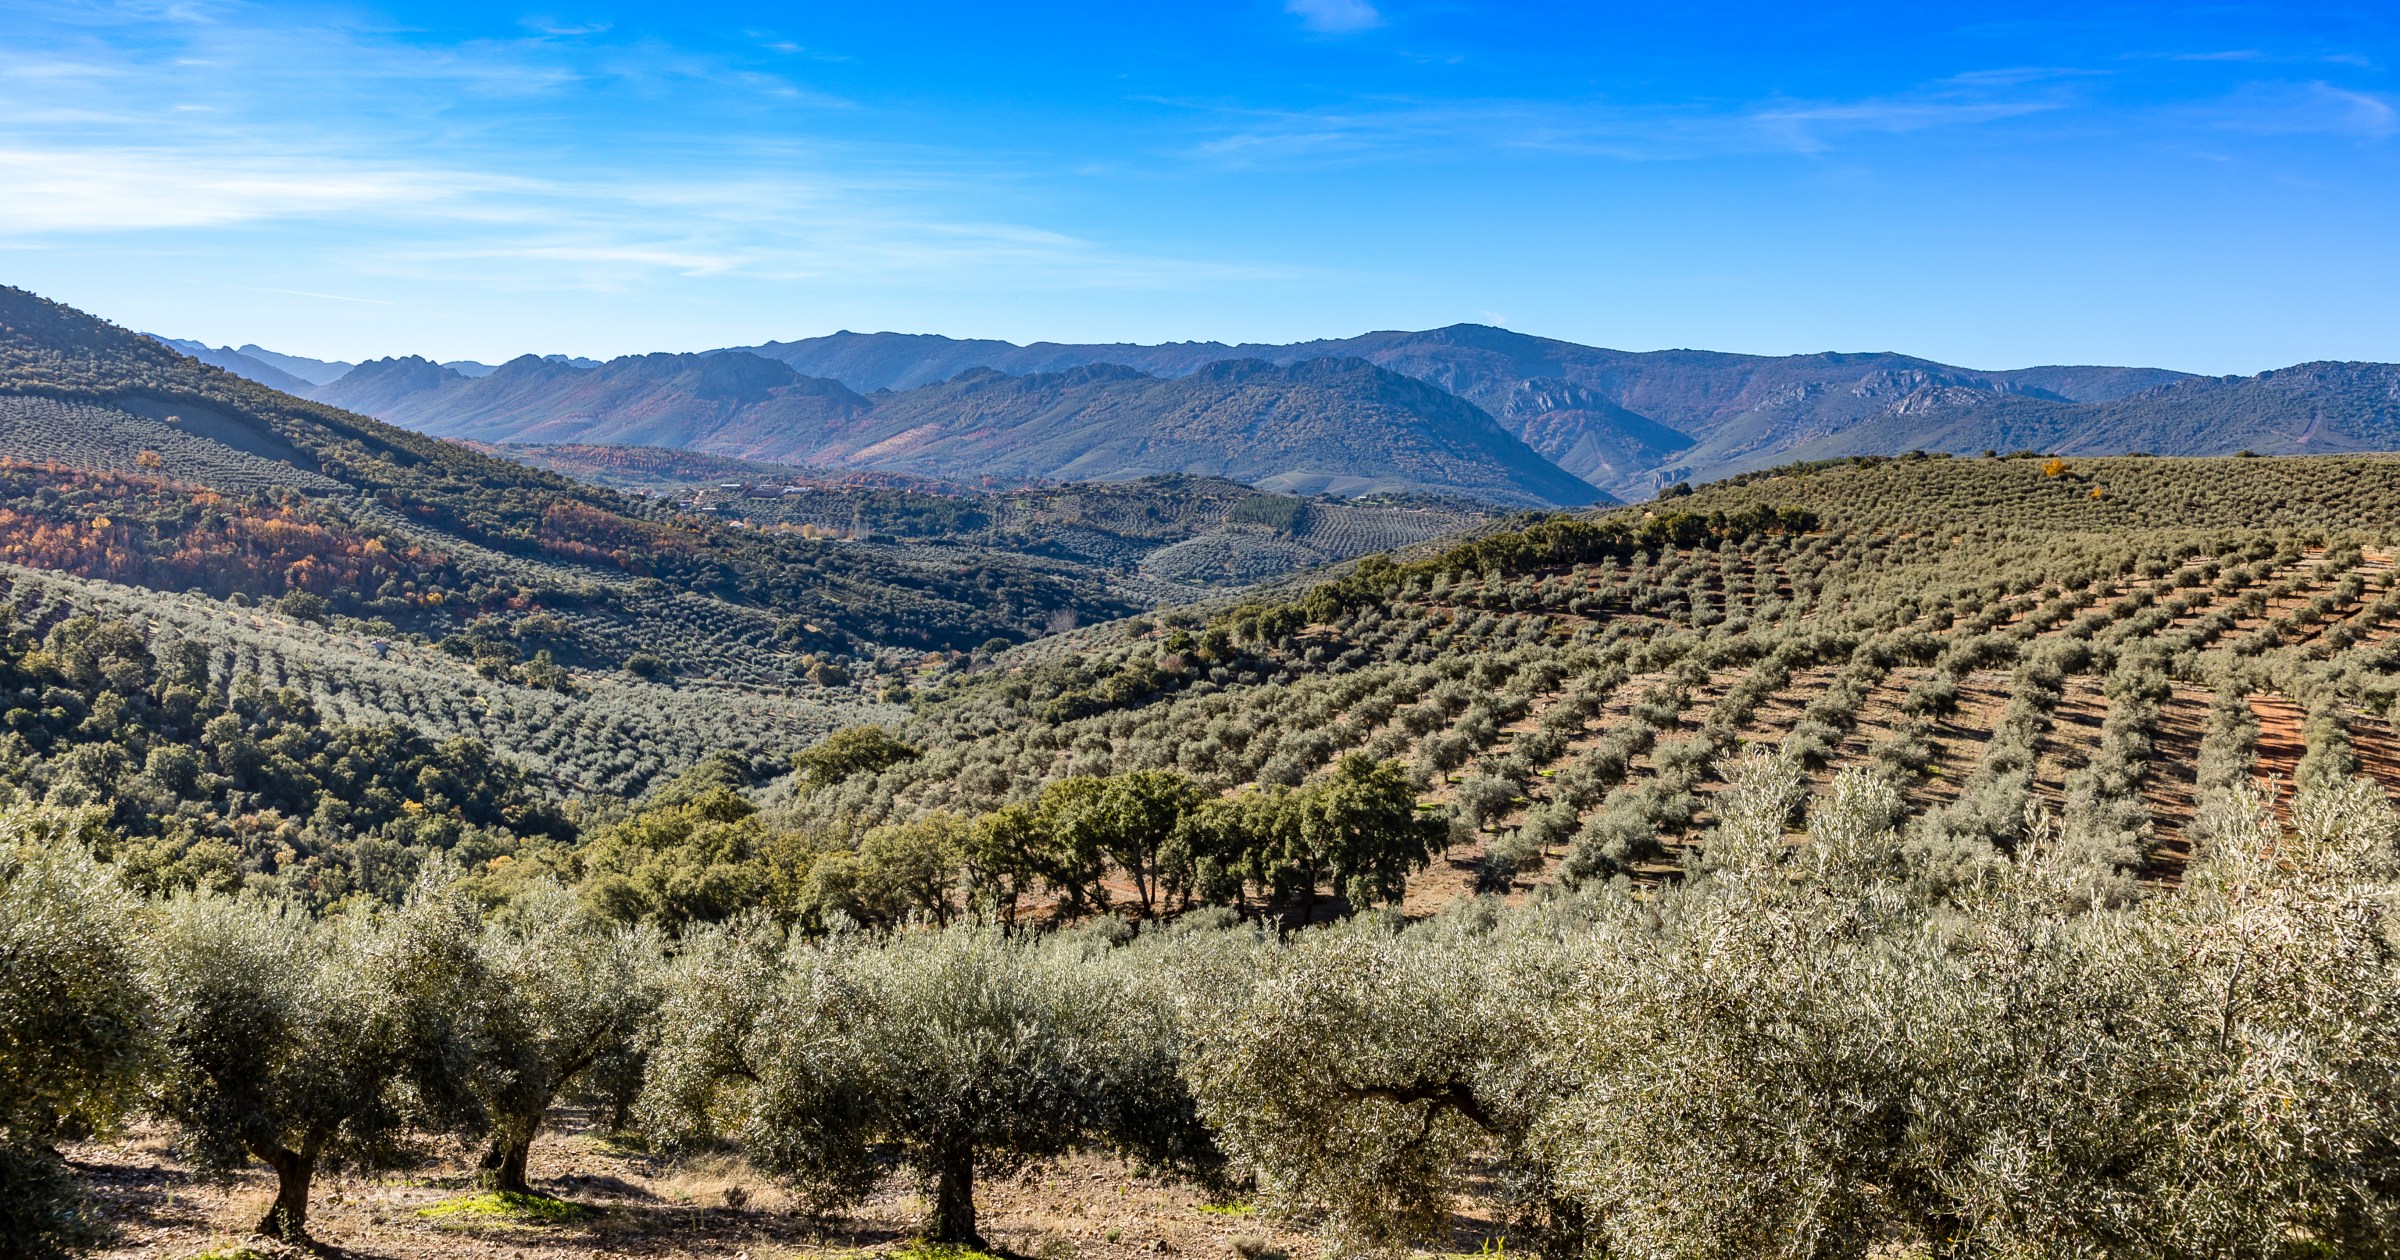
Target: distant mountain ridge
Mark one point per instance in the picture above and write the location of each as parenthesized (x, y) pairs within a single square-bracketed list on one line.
[(1627, 422), (254, 367), (2307, 409), (1323, 425)]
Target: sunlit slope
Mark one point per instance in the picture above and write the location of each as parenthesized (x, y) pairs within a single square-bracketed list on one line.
[(2091, 640)]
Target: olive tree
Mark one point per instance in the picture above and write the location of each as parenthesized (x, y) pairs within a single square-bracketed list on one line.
[(301, 1042), (2281, 956), (1371, 1075), (1800, 1053), (75, 1017), (952, 1053), (569, 996)]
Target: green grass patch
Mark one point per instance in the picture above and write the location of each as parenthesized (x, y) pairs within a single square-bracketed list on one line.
[(231, 1251), (1230, 1209), (622, 1144), (921, 1249), (507, 1207)]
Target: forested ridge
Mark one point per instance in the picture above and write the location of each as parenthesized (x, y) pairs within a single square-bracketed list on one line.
[(1924, 856)]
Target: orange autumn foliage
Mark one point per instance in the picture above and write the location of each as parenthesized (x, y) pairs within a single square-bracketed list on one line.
[(153, 532)]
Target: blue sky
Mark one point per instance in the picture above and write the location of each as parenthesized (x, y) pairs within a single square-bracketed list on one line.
[(2214, 188)]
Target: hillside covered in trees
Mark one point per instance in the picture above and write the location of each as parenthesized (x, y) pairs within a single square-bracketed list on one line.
[(95, 399)]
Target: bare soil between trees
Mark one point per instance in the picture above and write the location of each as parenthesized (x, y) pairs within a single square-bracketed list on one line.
[(1081, 1208)]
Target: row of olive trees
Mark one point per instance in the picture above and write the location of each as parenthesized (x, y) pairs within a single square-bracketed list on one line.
[(1808, 1049), (264, 1034), (267, 1036)]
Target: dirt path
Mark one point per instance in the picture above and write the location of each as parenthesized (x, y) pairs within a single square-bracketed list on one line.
[(2280, 745), (2377, 747), (1960, 737), (2171, 780), (2071, 741)]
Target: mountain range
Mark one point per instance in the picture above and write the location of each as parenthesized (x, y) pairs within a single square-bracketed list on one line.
[(1313, 426), (1354, 415)]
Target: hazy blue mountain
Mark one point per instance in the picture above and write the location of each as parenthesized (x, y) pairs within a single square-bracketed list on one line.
[(1623, 420), (730, 404), (1626, 422), (388, 388), (313, 371), (238, 363), (2313, 408), (1325, 425)]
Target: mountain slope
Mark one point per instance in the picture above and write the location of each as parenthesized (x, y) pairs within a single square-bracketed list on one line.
[(1327, 425), (240, 364), (313, 371), (732, 403), (1625, 421), (1323, 425), (2313, 408)]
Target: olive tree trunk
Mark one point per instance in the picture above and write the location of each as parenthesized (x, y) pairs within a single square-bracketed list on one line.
[(287, 1217), (512, 1141), (505, 1160), (954, 1195)]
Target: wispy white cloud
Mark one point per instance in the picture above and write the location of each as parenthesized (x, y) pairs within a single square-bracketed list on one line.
[(2312, 108), (1334, 17), (308, 293), (1387, 128), (56, 189), (547, 25), (1816, 126), (596, 230), (158, 130)]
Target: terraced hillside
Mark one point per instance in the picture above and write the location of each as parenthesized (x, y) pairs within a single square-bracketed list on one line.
[(2013, 643), (603, 736)]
